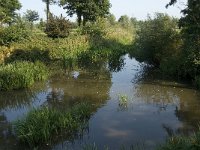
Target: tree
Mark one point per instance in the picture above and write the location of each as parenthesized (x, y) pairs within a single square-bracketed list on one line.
[(31, 16), (111, 19), (190, 22), (86, 10), (58, 27), (124, 21), (7, 10), (133, 21), (190, 25), (48, 3), (158, 47)]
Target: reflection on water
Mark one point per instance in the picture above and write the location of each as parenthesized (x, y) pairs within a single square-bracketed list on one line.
[(154, 110)]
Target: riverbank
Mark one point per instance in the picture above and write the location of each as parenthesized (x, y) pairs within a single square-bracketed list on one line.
[(65, 53)]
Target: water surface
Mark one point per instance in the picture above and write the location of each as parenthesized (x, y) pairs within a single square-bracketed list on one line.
[(155, 110)]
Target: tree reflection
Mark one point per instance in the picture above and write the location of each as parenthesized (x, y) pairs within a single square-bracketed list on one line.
[(167, 97), (91, 87), (116, 62)]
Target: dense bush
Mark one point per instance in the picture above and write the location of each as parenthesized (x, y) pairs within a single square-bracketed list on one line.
[(97, 28), (45, 125), (12, 33), (158, 39), (21, 74), (58, 27)]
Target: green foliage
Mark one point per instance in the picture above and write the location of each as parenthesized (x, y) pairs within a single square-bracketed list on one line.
[(97, 28), (45, 125), (123, 100), (86, 10), (111, 19), (21, 75), (13, 33), (182, 143), (41, 25), (7, 10), (43, 48), (48, 3), (158, 40), (31, 15), (190, 20), (124, 21), (58, 27), (190, 29)]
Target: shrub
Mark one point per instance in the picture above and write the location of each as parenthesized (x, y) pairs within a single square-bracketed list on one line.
[(42, 126), (97, 28), (21, 75), (158, 39), (13, 33), (4, 52), (58, 27)]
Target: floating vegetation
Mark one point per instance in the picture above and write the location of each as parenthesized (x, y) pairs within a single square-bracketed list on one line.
[(123, 99), (123, 102)]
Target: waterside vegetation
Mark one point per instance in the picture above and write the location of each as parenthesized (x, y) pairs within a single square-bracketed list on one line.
[(43, 126), (32, 52)]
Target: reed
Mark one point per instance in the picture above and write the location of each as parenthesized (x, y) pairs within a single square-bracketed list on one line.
[(45, 125), (21, 74)]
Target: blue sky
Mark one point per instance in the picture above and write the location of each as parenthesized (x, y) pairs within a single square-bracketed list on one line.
[(132, 8)]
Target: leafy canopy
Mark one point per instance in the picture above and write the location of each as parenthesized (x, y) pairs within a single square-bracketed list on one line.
[(7, 10), (31, 15), (86, 10)]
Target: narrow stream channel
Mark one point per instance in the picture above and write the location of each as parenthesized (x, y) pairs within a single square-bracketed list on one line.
[(154, 110)]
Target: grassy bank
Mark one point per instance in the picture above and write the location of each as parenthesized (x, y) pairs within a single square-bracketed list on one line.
[(60, 52), (40, 47), (44, 126)]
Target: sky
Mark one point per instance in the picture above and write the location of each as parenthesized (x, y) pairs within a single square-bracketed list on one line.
[(132, 8)]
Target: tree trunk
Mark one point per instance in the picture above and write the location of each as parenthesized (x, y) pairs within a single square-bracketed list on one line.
[(84, 21), (79, 19), (48, 11)]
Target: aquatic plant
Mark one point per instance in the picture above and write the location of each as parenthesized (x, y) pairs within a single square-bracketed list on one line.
[(123, 99), (21, 74), (182, 143), (45, 125)]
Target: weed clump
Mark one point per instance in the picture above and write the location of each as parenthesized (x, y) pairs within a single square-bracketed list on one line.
[(22, 74), (43, 126), (182, 143)]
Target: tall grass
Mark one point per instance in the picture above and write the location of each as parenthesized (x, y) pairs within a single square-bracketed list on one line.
[(21, 74), (182, 143), (43, 126), (56, 48)]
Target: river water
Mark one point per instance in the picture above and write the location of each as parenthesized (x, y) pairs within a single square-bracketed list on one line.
[(155, 109)]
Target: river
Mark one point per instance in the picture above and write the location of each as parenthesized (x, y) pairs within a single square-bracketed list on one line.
[(155, 108)]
